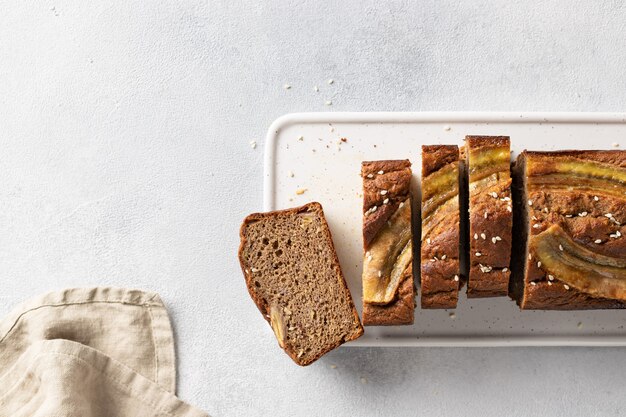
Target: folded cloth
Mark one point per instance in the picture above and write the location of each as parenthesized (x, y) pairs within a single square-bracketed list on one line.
[(99, 352)]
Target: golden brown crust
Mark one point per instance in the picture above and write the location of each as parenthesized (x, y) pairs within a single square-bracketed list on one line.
[(477, 142), (490, 217), (582, 213), (440, 271), (395, 181), (386, 185), (543, 296), (612, 157), (263, 308), (435, 157)]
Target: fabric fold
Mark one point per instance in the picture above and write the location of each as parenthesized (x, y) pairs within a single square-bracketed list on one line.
[(89, 352), (65, 378)]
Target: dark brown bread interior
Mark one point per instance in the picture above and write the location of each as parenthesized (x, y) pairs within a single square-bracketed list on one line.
[(293, 275), (544, 207), (440, 249), (393, 176)]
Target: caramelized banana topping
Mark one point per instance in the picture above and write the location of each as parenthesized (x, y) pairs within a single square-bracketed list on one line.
[(388, 256)]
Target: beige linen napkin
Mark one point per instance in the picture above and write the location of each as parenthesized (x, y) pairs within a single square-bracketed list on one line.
[(100, 352)]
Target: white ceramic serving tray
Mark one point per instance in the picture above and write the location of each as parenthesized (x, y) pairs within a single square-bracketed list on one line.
[(306, 151)]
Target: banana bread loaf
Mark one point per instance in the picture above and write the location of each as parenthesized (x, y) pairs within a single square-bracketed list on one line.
[(570, 219), (490, 215), (388, 289), (440, 246)]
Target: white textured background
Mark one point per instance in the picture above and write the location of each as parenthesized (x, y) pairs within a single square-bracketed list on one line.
[(124, 160)]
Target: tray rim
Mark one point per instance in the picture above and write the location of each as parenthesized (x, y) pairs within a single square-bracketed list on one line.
[(443, 117)]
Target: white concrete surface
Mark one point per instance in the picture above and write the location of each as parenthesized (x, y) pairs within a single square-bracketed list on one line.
[(125, 160)]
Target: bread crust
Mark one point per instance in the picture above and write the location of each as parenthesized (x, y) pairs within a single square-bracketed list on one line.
[(395, 179), (440, 278), (263, 308), (399, 312), (564, 207), (490, 218)]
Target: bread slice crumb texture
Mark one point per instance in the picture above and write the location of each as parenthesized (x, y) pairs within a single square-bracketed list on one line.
[(293, 275)]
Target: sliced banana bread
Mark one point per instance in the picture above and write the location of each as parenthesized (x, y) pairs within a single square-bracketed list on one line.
[(488, 162), (293, 275), (388, 289), (570, 223), (440, 250)]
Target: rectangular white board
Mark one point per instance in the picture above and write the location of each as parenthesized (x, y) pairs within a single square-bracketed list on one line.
[(305, 151)]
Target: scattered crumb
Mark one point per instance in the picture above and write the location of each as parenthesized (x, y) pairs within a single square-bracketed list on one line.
[(301, 191), (290, 173), (615, 145), (316, 89), (363, 380), (300, 138), (580, 324), (253, 144), (452, 315), (343, 140), (287, 86), (331, 128), (447, 128), (331, 81), (328, 103), (333, 366)]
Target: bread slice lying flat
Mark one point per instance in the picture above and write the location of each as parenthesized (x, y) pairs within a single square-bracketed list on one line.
[(293, 275)]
